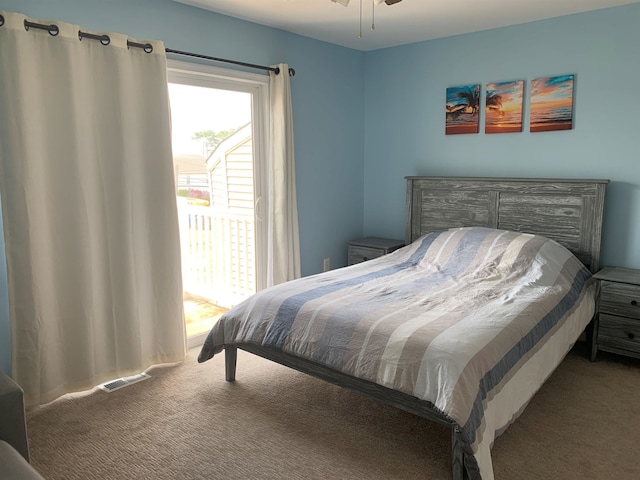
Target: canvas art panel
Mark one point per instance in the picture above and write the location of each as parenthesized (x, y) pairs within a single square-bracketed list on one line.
[(552, 103), (462, 109), (503, 107)]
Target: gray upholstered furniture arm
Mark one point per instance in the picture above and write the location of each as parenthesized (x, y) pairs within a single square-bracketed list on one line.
[(13, 427), (13, 466)]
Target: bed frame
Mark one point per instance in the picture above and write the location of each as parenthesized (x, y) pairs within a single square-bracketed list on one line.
[(566, 210)]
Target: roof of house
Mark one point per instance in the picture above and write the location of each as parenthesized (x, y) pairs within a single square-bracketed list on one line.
[(187, 164)]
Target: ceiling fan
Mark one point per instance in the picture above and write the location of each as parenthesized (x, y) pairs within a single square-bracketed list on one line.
[(377, 2)]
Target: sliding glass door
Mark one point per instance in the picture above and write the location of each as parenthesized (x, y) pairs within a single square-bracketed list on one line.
[(218, 135)]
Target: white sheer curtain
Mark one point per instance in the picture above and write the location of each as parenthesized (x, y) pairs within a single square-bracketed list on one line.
[(283, 262), (89, 209)]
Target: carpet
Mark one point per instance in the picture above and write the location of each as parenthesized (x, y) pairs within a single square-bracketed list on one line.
[(186, 422)]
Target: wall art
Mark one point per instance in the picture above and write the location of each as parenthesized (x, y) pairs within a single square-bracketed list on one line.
[(462, 109), (503, 106), (551, 103)]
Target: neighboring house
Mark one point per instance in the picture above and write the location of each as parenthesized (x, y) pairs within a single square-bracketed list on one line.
[(230, 168), (191, 172)]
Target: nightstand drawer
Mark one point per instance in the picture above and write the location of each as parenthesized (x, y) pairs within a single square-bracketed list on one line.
[(359, 254), (620, 299), (619, 333)]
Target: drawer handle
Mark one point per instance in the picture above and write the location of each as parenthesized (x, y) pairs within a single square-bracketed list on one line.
[(630, 336), (634, 303)]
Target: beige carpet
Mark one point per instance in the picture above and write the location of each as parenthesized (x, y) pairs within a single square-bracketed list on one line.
[(186, 422)]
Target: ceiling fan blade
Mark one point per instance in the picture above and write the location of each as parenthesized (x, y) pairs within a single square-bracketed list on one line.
[(377, 2)]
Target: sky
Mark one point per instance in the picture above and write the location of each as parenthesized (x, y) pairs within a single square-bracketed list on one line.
[(510, 93), (194, 109), (552, 91)]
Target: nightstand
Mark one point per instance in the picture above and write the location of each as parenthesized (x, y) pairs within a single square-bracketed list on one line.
[(367, 248), (616, 327)]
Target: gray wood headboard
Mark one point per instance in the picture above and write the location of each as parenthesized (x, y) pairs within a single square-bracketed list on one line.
[(566, 210)]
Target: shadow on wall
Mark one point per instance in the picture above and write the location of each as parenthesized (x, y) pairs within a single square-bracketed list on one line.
[(621, 204)]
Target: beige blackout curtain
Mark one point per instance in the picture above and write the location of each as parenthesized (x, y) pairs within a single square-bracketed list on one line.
[(89, 208), (283, 262)]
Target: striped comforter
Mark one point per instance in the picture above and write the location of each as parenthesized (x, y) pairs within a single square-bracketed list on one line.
[(472, 320)]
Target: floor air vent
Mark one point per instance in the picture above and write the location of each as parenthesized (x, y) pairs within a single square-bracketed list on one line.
[(123, 382)]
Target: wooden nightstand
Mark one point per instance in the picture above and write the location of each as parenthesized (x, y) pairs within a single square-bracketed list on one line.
[(616, 327), (367, 248)]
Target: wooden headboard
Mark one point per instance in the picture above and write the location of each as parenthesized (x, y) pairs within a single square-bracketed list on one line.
[(565, 210)]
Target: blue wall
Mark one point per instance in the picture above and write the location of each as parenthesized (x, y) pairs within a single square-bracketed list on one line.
[(404, 116), (363, 121)]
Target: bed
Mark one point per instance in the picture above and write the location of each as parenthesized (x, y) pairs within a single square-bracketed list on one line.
[(462, 325)]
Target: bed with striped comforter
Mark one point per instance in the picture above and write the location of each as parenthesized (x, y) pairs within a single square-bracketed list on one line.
[(472, 320)]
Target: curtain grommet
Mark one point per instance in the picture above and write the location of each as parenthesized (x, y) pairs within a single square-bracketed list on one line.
[(52, 29)]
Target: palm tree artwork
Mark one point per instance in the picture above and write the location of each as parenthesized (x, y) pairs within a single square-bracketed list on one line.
[(494, 100), (503, 106), (462, 109)]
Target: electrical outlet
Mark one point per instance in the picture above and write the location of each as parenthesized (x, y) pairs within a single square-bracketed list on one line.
[(326, 265)]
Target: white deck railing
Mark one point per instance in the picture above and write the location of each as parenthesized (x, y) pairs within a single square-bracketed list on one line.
[(218, 259)]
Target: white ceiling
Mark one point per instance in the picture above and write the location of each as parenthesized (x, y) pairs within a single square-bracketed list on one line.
[(406, 22)]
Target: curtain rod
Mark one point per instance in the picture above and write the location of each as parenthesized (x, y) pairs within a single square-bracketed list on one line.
[(147, 47), (275, 70)]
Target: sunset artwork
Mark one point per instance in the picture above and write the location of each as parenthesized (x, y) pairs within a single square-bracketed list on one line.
[(504, 107), (552, 103), (462, 109)]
